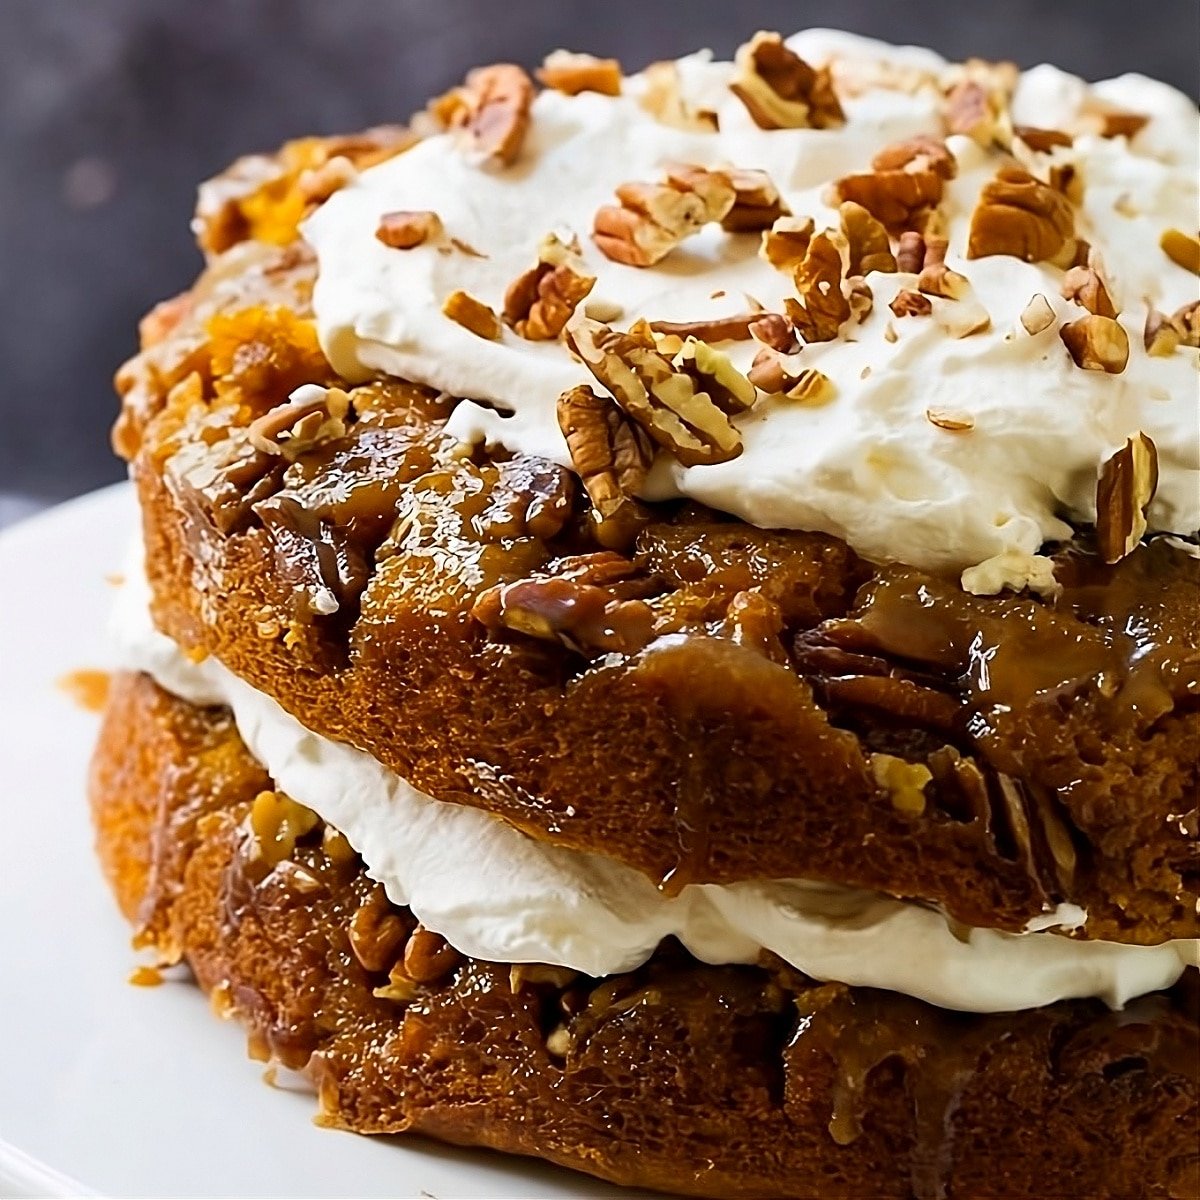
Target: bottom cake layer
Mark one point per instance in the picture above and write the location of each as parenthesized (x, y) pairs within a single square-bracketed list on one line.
[(710, 1081)]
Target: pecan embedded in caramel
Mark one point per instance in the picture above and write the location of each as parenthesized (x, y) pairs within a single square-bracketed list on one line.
[(428, 956), (539, 302), (664, 400), (1019, 215), (780, 90), (377, 932), (574, 73), (1127, 483), (612, 455)]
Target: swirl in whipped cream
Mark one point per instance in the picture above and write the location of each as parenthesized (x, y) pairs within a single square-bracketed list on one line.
[(868, 467), (496, 894)]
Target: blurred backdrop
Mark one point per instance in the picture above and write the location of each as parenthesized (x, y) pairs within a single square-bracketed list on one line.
[(112, 110)]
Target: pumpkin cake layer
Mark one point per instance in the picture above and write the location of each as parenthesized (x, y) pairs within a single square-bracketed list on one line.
[(721, 1081)]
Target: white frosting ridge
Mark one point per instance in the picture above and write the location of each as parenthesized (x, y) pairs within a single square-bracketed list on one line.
[(868, 467), (496, 894)]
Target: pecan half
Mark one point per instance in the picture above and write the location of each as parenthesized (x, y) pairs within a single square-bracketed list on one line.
[(462, 308), (757, 204), (428, 956), (377, 932), (612, 454), (908, 303), (653, 219), (1181, 248), (314, 414), (1127, 483), (539, 302), (492, 109), (785, 244), (404, 229), (822, 308), (780, 90), (1019, 215), (574, 73), (869, 247), (902, 200), (1097, 343), (581, 616), (664, 400)]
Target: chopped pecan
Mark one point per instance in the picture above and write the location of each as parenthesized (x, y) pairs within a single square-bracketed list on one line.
[(902, 200), (780, 375), (492, 109), (1037, 315), (1110, 121), (574, 73), (952, 420), (785, 244), (1019, 215), (404, 228), (908, 303), (1160, 337), (377, 932), (313, 555), (728, 388), (910, 253), (937, 279), (314, 414), (716, 329), (462, 308), (664, 100), (1042, 141), (1097, 343), (780, 90), (1085, 286), (903, 781), (962, 319), (917, 154), (539, 302), (612, 455), (1127, 483), (977, 99), (870, 249), (1186, 321), (316, 184), (653, 219), (860, 298), (822, 308), (776, 331), (579, 615), (276, 823), (1181, 248), (428, 956), (661, 398), (757, 204)]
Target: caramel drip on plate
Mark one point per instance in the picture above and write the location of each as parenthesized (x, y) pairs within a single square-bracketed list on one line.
[(88, 688)]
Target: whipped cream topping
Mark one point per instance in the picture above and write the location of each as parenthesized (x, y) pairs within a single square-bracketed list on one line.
[(869, 466), (496, 894)]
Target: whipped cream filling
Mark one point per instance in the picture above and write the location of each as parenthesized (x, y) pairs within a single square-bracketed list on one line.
[(496, 894), (869, 467)]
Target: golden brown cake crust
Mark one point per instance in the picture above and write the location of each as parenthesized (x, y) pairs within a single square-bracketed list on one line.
[(768, 730), (713, 1081)]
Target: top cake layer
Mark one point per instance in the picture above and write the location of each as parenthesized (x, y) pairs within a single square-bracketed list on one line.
[(964, 399)]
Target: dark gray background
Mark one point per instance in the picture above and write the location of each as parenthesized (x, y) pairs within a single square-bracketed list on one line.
[(112, 110)]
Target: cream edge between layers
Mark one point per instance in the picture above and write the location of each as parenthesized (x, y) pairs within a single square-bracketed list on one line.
[(496, 894)]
